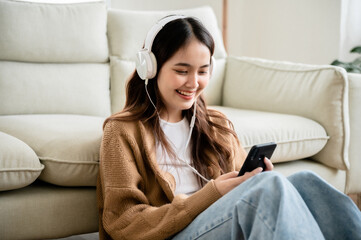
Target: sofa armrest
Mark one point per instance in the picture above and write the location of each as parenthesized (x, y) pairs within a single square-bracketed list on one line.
[(319, 93), (353, 174)]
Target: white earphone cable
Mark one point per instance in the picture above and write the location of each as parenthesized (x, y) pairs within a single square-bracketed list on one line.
[(190, 132), (191, 124), (187, 143), (150, 99)]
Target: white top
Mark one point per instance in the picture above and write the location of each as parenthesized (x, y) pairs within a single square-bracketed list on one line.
[(177, 134)]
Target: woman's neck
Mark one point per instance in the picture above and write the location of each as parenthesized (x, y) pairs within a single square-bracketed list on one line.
[(171, 117)]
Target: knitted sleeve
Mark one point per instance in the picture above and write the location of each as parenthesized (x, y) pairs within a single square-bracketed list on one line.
[(126, 211)]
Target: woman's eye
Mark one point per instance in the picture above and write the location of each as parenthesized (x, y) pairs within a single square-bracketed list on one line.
[(203, 72), (181, 71)]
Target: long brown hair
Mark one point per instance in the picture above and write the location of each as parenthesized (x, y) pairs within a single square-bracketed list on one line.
[(175, 35)]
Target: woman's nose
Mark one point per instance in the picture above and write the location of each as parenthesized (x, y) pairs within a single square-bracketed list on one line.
[(192, 81)]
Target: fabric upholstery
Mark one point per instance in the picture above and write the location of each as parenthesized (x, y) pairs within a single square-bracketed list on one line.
[(67, 145), (120, 71), (127, 31), (34, 88), (45, 211), (335, 177), (19, 165), (319, 93), (353, 173), (38, 32), (296, 137)]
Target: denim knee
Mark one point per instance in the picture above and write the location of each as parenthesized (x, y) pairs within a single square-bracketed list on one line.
[(272, 178), (303, 177), (305, 174), (272, 185)]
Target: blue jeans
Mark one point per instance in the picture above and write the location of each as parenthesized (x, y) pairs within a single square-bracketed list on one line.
[(270, 206)]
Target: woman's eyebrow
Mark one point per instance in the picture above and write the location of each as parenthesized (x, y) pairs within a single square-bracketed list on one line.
[(204, 66), (182, 64), (188, 65)]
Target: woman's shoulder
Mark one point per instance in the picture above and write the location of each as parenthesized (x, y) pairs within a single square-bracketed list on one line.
[(121, 121)]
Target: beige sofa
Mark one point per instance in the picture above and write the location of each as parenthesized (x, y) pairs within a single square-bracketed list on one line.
[(63, 70)]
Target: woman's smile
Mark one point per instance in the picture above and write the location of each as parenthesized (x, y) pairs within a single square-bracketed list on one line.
[(188, 95)]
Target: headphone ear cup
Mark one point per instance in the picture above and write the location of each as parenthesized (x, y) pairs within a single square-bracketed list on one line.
[(212, 65), (152, 69), (141, 64), (146, 64)]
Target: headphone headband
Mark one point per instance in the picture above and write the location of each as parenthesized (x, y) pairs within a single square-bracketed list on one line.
[(152, 33)]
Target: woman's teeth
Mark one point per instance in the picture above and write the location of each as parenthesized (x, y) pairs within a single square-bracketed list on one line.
[(185, 93)]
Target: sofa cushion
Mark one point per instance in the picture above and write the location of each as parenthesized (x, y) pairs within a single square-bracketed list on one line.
[(29, 88), (127, 30), (319, 93), (38, 32), (68, 145), (19, 165), (46, 211), (296, 137)]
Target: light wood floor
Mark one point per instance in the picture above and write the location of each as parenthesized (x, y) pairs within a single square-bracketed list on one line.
[(356, 198)]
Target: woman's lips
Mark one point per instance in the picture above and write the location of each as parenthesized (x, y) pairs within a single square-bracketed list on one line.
[(185, 94)]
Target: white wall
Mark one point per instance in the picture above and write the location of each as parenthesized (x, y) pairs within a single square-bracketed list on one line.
[(293, 30), (350, 28), (307, 31)]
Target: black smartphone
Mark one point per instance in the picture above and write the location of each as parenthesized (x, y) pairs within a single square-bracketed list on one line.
[(256, 155)]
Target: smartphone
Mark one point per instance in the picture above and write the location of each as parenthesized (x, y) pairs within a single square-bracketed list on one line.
[(256, 155)]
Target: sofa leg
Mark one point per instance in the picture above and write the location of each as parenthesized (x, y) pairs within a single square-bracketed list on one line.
[(356, 198)]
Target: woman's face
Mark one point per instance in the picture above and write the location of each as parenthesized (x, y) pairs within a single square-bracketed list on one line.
[(182, 79)]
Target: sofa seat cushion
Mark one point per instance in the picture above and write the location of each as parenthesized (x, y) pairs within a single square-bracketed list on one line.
[(296, 137), (68, 145), (19, 165)]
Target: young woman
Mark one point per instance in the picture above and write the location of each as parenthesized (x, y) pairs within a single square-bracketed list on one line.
[(169, 165)]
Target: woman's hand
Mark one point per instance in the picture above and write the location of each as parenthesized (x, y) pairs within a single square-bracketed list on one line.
[(228, 181), (269, 164)]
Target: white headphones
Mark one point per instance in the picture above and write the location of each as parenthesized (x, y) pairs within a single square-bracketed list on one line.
[(146, 62)]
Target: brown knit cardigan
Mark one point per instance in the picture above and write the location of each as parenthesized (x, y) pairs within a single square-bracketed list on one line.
[(135, 198)]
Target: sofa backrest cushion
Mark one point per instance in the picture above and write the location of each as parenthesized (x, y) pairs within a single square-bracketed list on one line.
[(38, 32), (54, 58), (31, 88), (319, 93), (126, 32)]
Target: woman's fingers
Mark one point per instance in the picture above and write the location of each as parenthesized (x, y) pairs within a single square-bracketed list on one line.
[(251, 174), (228, 181), (269, 164)]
